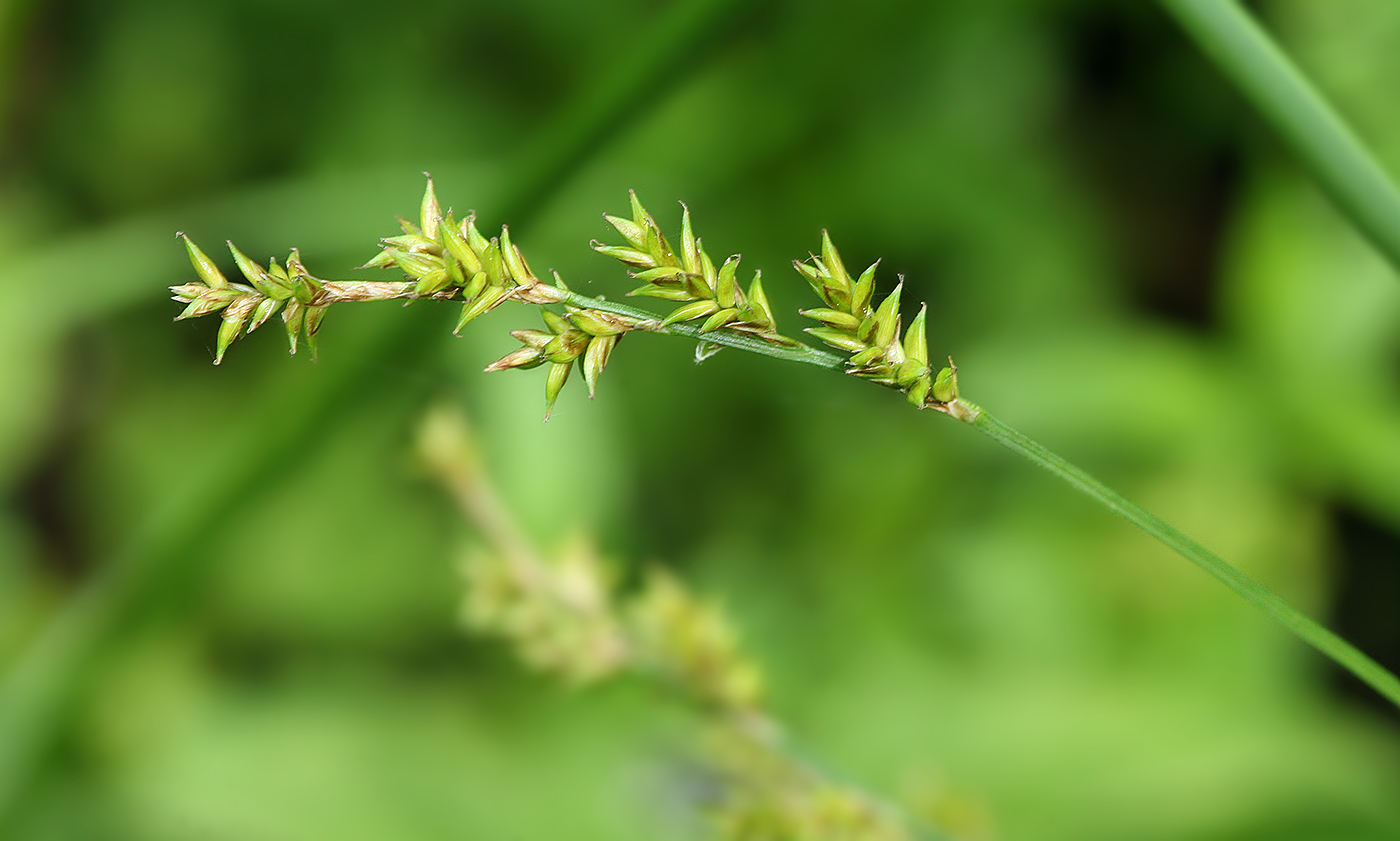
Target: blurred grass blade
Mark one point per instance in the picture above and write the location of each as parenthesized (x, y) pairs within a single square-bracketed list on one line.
[(1339, 650), (788, 352), (1328, 149), (16, 18), (41, 689)]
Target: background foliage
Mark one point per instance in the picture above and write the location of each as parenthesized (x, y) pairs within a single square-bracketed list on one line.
[(242, 593)]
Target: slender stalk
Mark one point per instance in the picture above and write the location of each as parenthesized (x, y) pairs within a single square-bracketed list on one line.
[(779, 347), (1339, 650), (1327, 147), (347, 291), (791, 352)]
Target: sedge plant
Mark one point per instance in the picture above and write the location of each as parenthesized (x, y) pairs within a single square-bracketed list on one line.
[(566, 615), (446, 259)]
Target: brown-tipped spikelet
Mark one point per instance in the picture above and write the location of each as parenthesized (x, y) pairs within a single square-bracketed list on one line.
[(444, 258), (582, 335), (689, 277), (870, 335), (247, 307)]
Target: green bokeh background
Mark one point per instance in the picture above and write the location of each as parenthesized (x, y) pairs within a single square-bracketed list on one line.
[(228, 596)]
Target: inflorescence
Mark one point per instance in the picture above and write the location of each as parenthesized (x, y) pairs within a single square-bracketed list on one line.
[(443, 258)]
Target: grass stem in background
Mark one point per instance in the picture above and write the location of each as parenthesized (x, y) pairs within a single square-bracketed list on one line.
[(1343, 167)]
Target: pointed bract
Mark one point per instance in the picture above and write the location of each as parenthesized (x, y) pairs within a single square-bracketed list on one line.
[(526, 357), (945, 386), (918, 392), (228, 331), (474, 287), (416, 265), (262, 312), (489, 298), (665, 293), (694, 286), (432, 282), (257, 275), (566, 347), (691, 311), (493, 264), (759, 311), (595, 358), (235, 315), (598, 323), (555, 322), (207, 301), (639, 213), (478, 242), (727, 284), (515, 261), (429, 212), (554, 383), (413, 242), (635, 234), (864, 291), (456, 246), (198, 307), (630, 256), (664, 275), (915, 340), (838, 339), (293, 317), (887, 318), (865, 358), (690, 247), (314, 317), (532, 338), (832, 260), (704, 350), (814, 278), (719, 319), (203, 266), (909, 372), (707, 271), (833, 318), (383, 260)]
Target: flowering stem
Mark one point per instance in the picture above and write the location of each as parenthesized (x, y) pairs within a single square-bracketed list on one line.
[(1339, 650), (790, 352)]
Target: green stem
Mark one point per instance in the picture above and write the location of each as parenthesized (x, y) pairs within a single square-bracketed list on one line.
[(1341, 165), (1339, 650), (790, 352)]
